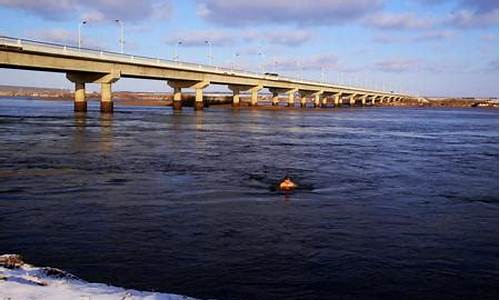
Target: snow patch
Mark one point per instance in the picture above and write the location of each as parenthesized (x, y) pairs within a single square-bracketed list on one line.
[(19, 280)]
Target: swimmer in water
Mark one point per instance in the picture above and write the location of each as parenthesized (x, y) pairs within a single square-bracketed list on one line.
[(286, 184)]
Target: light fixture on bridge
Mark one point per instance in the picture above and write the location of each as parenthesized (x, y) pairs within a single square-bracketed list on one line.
[(80, 33), (122, 40), (210, 57), (176, 53)]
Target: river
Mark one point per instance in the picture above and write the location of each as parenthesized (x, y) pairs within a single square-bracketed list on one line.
[(393, 202)]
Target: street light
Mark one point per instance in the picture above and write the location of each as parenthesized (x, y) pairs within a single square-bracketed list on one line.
[(209, 52), (80, 33), (176, 54), (262, 62), (122, 41), (299, 70), (236, 55)]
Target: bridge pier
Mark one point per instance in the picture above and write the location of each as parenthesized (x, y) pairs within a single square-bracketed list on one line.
[(352, 100), (317, 99), (237, 89), (363, 100), (303, 101), (106, 98), (198, 100), (336, 99), (303, 97), (324, 101), (276, 93), (198, 87), (177, 99), (80, 103), (275, 101), (255, 94), (105, 79), (291, 98), (236, 98)]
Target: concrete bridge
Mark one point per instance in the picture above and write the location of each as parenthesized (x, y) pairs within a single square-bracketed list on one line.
[(93, 66)]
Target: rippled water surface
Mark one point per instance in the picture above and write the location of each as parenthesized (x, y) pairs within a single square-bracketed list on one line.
[(395, 203)]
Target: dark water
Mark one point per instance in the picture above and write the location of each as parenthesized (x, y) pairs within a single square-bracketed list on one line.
[(396, 203)]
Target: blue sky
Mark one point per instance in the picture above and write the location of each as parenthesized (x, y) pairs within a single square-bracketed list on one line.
[(427, 47)]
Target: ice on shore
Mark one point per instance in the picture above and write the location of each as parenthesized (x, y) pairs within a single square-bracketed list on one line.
[(19, 280)]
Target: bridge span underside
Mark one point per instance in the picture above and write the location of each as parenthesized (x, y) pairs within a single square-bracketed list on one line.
[(84, 66)]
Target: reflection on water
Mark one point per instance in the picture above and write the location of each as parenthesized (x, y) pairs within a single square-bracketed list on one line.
[(393, 203), (106, 138)]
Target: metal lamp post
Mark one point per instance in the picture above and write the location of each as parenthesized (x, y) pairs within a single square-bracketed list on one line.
[(262, 62), (122, 41), (80, 33), (176, 53), (236, 55), (210, 58)]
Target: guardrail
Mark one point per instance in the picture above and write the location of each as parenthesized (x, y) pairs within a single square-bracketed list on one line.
[(59, 49)]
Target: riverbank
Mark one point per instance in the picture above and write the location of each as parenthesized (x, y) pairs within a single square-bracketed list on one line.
[(19, 280), (163, 99)]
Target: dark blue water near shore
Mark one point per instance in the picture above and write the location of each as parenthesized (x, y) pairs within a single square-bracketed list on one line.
[(397, 203)]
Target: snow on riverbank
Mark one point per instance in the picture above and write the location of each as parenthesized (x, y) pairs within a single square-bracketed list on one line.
[(19, 280)]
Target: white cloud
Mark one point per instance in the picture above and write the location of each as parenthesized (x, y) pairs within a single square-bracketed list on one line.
[(316, 62), (465, 18), (398, 21), (256, 12), (64, 37), (97, 10), (227, 38), (398, 65)]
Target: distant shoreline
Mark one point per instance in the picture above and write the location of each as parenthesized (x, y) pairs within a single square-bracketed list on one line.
[(165, 99)]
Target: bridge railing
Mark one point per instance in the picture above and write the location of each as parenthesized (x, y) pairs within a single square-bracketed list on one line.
[(53, 48)]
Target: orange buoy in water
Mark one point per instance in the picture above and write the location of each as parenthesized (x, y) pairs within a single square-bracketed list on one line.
[(287, 184)]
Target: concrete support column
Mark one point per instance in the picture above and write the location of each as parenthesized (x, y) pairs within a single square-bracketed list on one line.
[(237, 89), (105, 79), (198, 87), (373, 100), (352, 100), (363, 100), (317, 100), (303, 101), (198, 101), (276, 99), (324, 101), (236, 98), (177, 101), (291, 99), (254, 98), (106, 98), (80, 104), (336, 99)]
